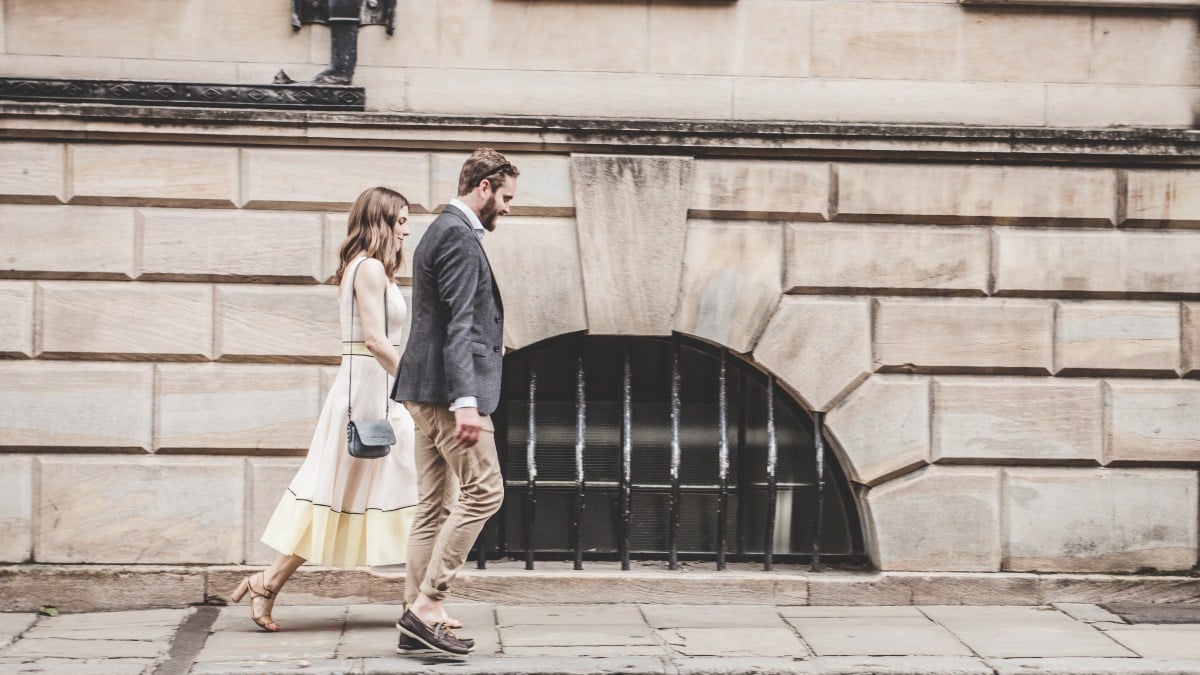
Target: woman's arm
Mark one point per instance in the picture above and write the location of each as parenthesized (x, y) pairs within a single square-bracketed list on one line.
[(370, 285)]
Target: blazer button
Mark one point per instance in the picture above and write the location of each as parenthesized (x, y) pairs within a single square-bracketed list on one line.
[(496, 349), (497, 319)]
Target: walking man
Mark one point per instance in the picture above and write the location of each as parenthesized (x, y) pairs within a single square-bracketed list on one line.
[(449, 379)]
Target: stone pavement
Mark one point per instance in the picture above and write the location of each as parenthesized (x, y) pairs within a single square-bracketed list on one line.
[(619, 638)]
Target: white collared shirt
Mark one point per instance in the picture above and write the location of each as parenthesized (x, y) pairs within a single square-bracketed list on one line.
[(467, 401)]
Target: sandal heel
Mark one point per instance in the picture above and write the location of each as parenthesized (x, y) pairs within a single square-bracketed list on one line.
[(240, 591)]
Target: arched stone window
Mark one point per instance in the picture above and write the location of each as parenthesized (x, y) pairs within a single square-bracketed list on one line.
[(621, 458)]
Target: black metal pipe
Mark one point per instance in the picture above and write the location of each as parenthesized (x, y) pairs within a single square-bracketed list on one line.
[(531, 468), (743, 491), (722, 463), (580, 436), (626, 455), (673, 531), (772, 458), (818, 512)]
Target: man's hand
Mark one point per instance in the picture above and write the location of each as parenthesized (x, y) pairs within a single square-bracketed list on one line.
[(467, 425)]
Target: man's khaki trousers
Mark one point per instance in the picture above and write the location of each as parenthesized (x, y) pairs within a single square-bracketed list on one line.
[(459, 488)]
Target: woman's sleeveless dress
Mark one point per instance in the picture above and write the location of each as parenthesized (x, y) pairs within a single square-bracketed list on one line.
[(345, 512)]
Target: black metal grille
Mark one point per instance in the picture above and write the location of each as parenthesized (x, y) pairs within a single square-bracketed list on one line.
[(661, 448)]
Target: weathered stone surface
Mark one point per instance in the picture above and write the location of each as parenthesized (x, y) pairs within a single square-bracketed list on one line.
[(632, 222), (569, 615), (870, 257), (1159, 642), (97, 588), (315, 586), (544, 187), (976, 194), (197, 244), (774, 39), (16, 305), (1085, 612), (1006, 419), (12, 625), (152, 625), (1023, 631), (1114, 588), (878, 636), (32, 172), (900, 665), (900, 588), (330, 179), (882, 427), (536, 262), (711, 616), (67, 241), (691, 39), (579, 634), (278, 323), (1149, 48), (167, 175), (1191, 338), (731, 274), (731, 642), (41, 648), (140, 510), (1163, 198), (1096, 262), (110, 405), (1152, 421), (820, 347), (957, 512), (528, 665), (885, 41), (1008, 46), (123, 320), (1099, 336), (1091, 665), (1105, 520), (16, 510), (1073, 105), (964, 335), (761, 189), (851, 611), (268, 480), (235, 407), (313, 634)]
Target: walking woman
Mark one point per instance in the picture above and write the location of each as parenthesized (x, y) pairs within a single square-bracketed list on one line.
[(340, 511)]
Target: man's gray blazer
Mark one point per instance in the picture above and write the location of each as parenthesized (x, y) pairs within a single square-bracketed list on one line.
[(455, 345)]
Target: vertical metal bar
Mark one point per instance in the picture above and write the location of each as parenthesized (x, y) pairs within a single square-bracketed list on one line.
[(819, 437), (580, 433), (722, 463), (772, 457), (481, 549), (743, 489), (626, 455), (531, 467), (673, 532)]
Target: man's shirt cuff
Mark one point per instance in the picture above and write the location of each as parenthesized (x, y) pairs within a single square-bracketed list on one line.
[(464, 402)]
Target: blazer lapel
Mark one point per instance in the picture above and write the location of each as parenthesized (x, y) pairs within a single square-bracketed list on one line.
[(466, 222)]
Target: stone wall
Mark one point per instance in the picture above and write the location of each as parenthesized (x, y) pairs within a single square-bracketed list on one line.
[(1006, 352), (828, 60)]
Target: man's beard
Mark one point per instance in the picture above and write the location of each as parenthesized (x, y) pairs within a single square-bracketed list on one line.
[(487, 215)]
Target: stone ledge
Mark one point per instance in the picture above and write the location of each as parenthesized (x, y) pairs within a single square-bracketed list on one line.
[(84, 588)]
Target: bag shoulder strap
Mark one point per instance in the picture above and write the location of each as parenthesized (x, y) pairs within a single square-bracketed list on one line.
[(350, 365)]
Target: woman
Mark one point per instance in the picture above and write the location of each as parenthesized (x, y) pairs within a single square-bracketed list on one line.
[(340, 511)]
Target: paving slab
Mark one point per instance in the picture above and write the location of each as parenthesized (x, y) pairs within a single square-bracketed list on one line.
[(576, 635), (900, 665), (734, 641), (737, 665), (1094, 666), (587, 650), (12, 625), (1167, 641), (82, 667), (290, 618), (878, 636), (530, 615), (41, 648), (157, 625), (712, 616), (1016, 632), (520, 665), (312, 633), (1086, 612), (306, 666), (835, 611)]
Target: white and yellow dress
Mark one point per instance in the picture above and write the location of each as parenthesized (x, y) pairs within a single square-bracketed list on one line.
[(340, 511)]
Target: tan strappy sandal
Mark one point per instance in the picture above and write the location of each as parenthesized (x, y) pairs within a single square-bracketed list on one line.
[(264, 620)]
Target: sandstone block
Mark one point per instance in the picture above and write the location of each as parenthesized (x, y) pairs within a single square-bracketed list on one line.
[(976, 194), (164, 175), (1149, 48), (235, 407), (632, 222), (1115, 588), (1191, 338), (536, 262), (330, 179), (208, 245), (16, 305), (885, 41), (32, 172), (966, 335), (1016, 419), (882, 427), (16, 509), (1010, 46), (697, 39), (761, 189), (278, 323), (1097, 336), (773, 39), (67, 241), (116, 319), (1152, 421), (938, 519), (1096, 262), (140, 510), (888, 101), (75, 405), (1105, 520), (269, 479), (544, 187), (1163, 198), (820, 347), (856, 257), (1080, 105), (97, 588), (937, 588), (730, 284)]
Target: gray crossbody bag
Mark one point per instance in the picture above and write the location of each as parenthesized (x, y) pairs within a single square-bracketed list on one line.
[(367, 439)]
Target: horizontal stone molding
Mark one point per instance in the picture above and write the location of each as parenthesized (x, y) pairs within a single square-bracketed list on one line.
[(153, 175)]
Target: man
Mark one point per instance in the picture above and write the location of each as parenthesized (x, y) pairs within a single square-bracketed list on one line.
[(449, 380)]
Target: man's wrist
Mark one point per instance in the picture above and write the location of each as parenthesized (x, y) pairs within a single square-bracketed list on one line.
[(464, 402)]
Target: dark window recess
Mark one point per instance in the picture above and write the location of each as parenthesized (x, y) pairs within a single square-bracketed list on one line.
[(613, 449)]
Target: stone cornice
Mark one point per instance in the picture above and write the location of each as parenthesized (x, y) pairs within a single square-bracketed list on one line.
[(796, 140)]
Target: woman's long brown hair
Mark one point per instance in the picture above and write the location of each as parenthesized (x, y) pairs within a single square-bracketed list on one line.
[(369, 231)]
